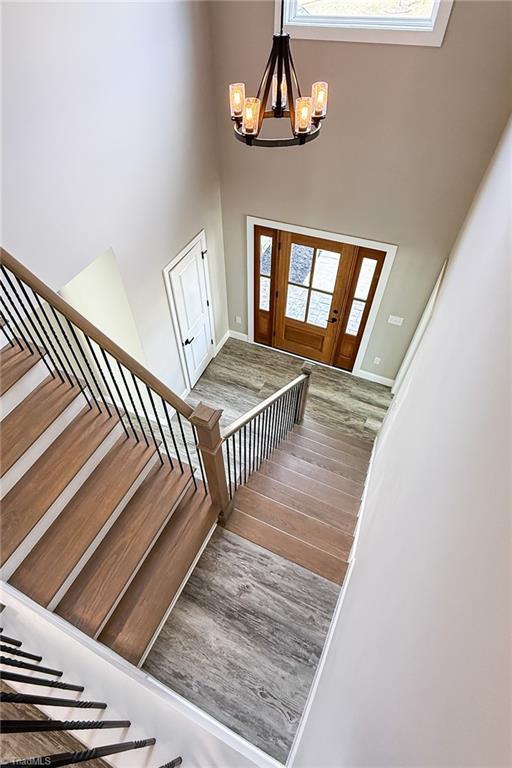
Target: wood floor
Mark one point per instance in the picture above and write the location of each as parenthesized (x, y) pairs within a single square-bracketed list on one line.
[(242, 375)]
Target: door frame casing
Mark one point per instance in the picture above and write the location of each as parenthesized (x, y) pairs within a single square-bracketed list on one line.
[(389, 249), (199, 239)]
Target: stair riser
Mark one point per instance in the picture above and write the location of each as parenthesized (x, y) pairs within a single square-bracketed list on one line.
[(39, 446), (23, 388), (101, 534), (59, 504), (141, 562)]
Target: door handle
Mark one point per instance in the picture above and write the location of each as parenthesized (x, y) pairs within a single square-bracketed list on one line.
[(333, 320), (188, 341)]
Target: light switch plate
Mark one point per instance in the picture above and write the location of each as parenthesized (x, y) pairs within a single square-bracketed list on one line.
[(395, 320), (376, 360), (238, 320)]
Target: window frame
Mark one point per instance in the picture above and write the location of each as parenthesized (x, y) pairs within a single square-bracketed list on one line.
[(366, 29)]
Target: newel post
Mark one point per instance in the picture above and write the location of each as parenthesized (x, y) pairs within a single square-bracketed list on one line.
[(206, 421), (307, 370)]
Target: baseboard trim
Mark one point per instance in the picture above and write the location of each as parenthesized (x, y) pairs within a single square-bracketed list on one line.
[(222, 342), (373, 377), (239, 336)]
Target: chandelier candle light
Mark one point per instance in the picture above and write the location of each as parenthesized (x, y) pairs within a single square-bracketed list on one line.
[(304, 112)]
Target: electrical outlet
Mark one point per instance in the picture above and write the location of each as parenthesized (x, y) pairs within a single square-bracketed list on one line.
[(395, 320), (376, 360), (238, 320)]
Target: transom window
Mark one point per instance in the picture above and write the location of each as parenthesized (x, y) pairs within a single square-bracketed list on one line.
[(409, 22)]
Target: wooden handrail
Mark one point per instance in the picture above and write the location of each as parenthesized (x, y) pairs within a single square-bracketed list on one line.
[(236, 425), (62, 306)]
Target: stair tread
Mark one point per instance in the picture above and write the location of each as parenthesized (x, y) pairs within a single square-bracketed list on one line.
[(140, 612), (326, 476), (339, 443), (322, 461), (307, 503), (290, 520), (339, 434), (99, 586), (27, 422), (41, 485), (68, 538), (355, 462), (14, 364), (320, 491), (287, 546)]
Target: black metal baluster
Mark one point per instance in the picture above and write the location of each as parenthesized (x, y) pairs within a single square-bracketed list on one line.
[(27, 665), (116, 387), (33, 680), (234, 460), (89, 368), (143, 432), (78, 379), (17, 652), (273, 431), (241, 478), (245, 452), (28, 698), (146, 415), (71, 758), (44, 726), (185, 445), (229, 469), (18, 333), (48, 336), (171, 430), (31, 328), (159, 428), (249, 451), (34, 344), (200, 460), (107, 386)]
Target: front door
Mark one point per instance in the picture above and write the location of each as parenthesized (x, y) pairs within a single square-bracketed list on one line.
[(312, 296), (189, 289), (313, 280)]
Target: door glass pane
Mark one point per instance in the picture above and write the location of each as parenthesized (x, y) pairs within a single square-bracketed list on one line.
[(364, 280), (296, 302), (265, 293), (355, 317), (319, 306), (301, 260), (326, 269), (265, 255)]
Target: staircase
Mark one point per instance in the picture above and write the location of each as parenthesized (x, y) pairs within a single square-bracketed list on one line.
[(104, 508), (302, 502), (111, 483)]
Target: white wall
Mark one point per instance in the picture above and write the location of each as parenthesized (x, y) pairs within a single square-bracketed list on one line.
[(409, 134), (98, 293), (418, 671), (108, 141)]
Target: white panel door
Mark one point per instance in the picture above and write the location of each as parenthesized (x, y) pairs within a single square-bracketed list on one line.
[(188, 285)]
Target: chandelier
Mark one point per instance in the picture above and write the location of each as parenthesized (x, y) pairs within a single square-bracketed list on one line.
[(304, 112)]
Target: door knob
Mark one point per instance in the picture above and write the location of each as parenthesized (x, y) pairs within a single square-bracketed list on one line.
[(333, 320), (188, 341)]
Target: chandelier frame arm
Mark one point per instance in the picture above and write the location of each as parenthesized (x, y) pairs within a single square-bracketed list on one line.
[(294, 71), (289, 86), (268, 68), (268, 80)]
